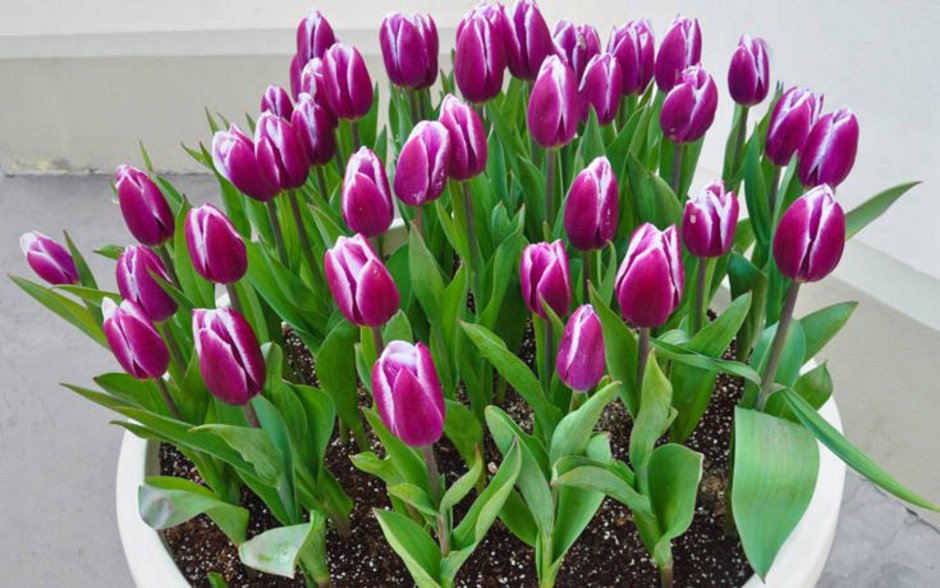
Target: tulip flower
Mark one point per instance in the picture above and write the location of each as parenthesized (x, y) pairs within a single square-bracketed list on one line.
[(600, 88), (276, 101), (576, 44), (361, 286), (810, 236), (543, 273), (367, 199), (408, 393), (591, 210), (793, 116), (632, 45), (134, 274), (828, 154), (311, 81), (421, 173), (681, 48), (528, 41), (554, 107), (749, 72), (279, 152), (315, 128), (479, 58), (217, 250), (710, 220), (314, 37), (145, 210), (650, 279), (409, 49), (467, 138), (348, 87), (233, 154), (230, 358), (51, 261), (580, 360), (689, 108), (294, 73)]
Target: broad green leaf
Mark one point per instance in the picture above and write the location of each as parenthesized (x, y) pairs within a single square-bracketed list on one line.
[(575, 430), (68, 309), (821, 326), (607, 478), (417, 550), (484, 510), (336, 371), (409, 464), (620, 349), (674, 475), (281, 550), (464, 484), (165, 502), (463, 429), (791, 359), (414, 496), (253, 445), (682, 354), (744, 277), (652, 420), (85, 276), (862, 215), (815, 387), (427, 279), (577, 506)]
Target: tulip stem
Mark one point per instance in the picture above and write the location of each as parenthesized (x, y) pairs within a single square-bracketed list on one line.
[(772, 196), (740, 135), (699, 302), (168, 399), (302, 234), (276, 229), (642, 358), (164, 255), (547, 344), (665, 574), (377, 341), (678, 152), (174, 347), (434, 484), (551, 159), (413, 103), (587, 257), (354, 131), (251, 415), (321, 184), (418, 222), (233, 299), (472, 240), (776, 347)]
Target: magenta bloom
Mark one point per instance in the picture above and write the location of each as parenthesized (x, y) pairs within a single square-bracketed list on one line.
[(650, 279), (134, 341), (314, 37), (576, 44), (294, 73), (408, 393), (409, 49), (280, 153), (828, 154), (681, 48), (315, 128), (51, 261), (633, 46), (361, 286), (543, 272), (367, 199), (794, 115), (710, 219), (145, 211), (528, 41), (601, 88), (467, 138), (689, 108), (581, 361), (134, 274), (276, 101), (230, 358), (421, 173), (215, 247), (480, 58), (749, 72), (311, 81), (233, 154), (592, 210), (348, 87), (554, 107), (810, 237)]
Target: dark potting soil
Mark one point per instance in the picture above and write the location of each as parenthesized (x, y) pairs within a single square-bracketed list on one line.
[(608, 553)]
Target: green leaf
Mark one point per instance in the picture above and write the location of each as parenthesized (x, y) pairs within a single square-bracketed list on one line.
[(464, 484), (574, 431), (592, 144), (620, 349), (427, 280), (744, 277), (280, 550), (791, 359), (674, 475), (413, 545), (253, 445), (71, 311), (463, 429), (682, 354), (608, 478), (486, 507), (576, 506), (756, 192), (216, 580), (336, 371), (85, 276), (653, 418), (862, 215), (415, 496), (165, 502), (815, 387), (407, 462), (821, 326)]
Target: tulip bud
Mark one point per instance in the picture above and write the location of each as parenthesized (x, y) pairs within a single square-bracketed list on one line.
[(650, 279), (279, 152), (314, 37), (295, 70), (828, 154), (794, 115), (348, 87), (215, 247), (749, 72), (409, 49), (135, 270), (710, 220), (233, 154), (810, 236), (581, 359), (543, 272), (315, 127), (689, 108), (361, 286), (367, 199), (276, 101), (230, 358), (312, 82), (468, 148), (591, 210), (554, 107), (145, 211), (528, 41), (421, 173), (681, 48), (480, 58), (134, 341), (632, 45), (601, 87), (408, 393), (51, 261), (576, 44)]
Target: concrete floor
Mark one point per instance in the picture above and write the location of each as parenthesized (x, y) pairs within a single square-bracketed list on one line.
[(59, 453)]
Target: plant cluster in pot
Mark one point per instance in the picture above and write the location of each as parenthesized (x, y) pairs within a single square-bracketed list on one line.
[(482, 331)]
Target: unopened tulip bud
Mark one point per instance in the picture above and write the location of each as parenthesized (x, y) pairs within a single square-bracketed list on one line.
[(135, 342), (600, 88), (215, 247), (367, 200), (544, 275), (749, 72), (633, 46), (134, 275), (591, 210), (230, 359), (650, 280), (689, 108), (468, 148), (276, 101), (312, 82), (145, 210), (577, 44), (479, 58), (409, 49), (314, 37), (528, 41), (363, 289), (581, 359), (51, 261), (315, 127), (421, 173), (810, 236), (279, 152), (233, 154), (296, 67), (348, 87), (710, 220), (554, 107), (681, 48), (828, 154), (408, 393), (794, 115)]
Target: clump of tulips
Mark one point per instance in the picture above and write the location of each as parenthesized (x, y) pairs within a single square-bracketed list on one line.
[(409, 259)]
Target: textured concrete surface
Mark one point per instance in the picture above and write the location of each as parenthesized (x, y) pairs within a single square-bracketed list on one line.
[(58, 453)]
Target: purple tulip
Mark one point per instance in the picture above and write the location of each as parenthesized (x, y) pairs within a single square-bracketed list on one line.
[(363, 289), (135, 270), (650, 279), (276, 101), (710, 220), (543, 272), (314, 37), (311, 81), (421, 173), (689, 108), (215, 247), (581, 361), (828, 154), (794, 115), (230, 358), (134, 341), (591, 210), (367, 199), (681, 48), (576, 44), (601, 87), (295, 70), (409, 49), (633, 46), (528, 41), (810, 236), (480, 58), (51, 261), (280, 153), (468, 148), (315, 127), (145, 211), (233, 154), (348, 87), (749, 72), (554, 107), (408, 393)]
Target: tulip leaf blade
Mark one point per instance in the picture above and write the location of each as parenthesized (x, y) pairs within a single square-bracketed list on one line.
[(464, 484), (575, 507), (281, 550), (819, 327), (573, 433), (463, 429), (68, 309), (413, 545), (620, 349), (406, 461), (336, 372), (814, 386), (486, 508), (674, 475), (865, 213), (165, 502)]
